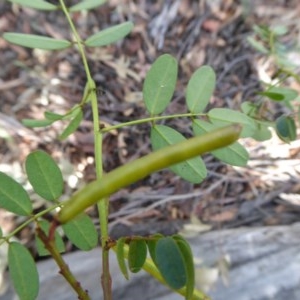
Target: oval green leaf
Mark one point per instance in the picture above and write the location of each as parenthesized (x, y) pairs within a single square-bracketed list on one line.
[(44, 175), (73, 125), (137, 255), (109, 35), (225, 116), (187, 254), (272, 95), (200, 89), (86, 5), (23, 271), (170, 263), (278, 93), (257, 45), (36, 41), (72, 113), (160, 83), (234, 154), (81, 232), (262, 133), (53, 116), (36, 123), (192, 170), (263, 31), (59, 244), (286, 128), (151, 244), (13, 196), (280, 30), (120, 256), (36, 4), (249, 108)]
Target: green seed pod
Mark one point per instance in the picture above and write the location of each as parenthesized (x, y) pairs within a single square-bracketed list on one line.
[(142, 167)]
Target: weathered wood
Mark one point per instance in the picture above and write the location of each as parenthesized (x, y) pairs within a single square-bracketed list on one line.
[(265, 264)]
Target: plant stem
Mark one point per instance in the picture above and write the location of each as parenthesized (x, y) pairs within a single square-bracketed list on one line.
[(150, 119), (64, 269), (30, 220), (78, 41), (103, 203)]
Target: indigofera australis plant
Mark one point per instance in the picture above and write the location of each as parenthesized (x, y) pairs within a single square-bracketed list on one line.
[(167, 258)]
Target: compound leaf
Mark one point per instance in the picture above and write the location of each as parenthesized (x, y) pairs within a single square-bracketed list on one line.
[(200, 89), (23, 271), (137, 255), (109, 35), (13, 196), (192, 170), (36, 41), (44, 175), (81, 232), (160, 83)]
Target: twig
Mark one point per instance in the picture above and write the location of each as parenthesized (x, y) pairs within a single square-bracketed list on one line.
[(64, 268)]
